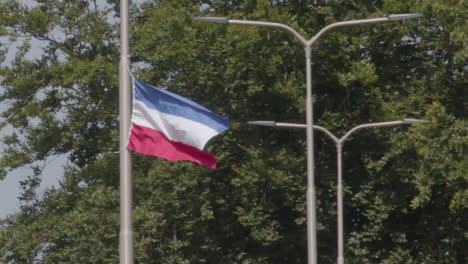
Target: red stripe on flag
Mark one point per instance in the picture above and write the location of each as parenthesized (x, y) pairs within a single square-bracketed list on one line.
[(152, 142)]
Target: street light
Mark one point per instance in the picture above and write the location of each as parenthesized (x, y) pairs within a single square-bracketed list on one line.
[(339, 150), (307, 44)]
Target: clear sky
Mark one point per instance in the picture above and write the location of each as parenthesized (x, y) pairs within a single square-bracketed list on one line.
[(10, 187)]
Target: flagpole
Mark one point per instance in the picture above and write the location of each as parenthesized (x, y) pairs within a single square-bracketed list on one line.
[(126, 230)]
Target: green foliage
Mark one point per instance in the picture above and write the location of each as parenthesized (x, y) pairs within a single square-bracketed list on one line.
[(64, 220), (405, 187)]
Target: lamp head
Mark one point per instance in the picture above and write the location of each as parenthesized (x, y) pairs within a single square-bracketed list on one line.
[(262, 123), (220, 20), (398, 17), (415, 121)]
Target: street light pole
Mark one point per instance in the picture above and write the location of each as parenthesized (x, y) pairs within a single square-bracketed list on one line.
[(339, 153), (307, 44)]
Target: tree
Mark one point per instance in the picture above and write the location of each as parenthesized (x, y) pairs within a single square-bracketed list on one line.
[(405, 188)]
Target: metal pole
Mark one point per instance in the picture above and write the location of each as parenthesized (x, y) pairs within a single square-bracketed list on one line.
[(310, 196), (126, 231), (339, 203), (339, 151)]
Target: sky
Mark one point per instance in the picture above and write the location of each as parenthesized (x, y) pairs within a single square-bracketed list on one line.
[(10, 186)]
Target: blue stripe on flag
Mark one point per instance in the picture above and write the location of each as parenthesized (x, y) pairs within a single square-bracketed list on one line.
[(171, 103)]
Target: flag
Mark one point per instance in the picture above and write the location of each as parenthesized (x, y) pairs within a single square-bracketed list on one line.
[(172, 127)]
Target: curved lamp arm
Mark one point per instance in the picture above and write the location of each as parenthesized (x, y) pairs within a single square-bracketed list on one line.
[(391, 18), (384, 124), (337, 140), (307, 43), (224, 20)]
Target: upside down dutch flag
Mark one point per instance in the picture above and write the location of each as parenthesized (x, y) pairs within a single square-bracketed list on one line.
[(172, 127)]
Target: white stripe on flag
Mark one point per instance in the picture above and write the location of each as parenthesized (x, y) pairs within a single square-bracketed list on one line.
[(175, 128)]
